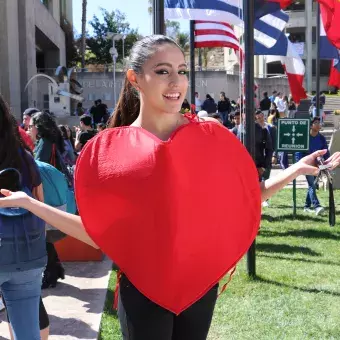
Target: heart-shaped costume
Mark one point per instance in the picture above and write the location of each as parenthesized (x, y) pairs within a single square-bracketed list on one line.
[(175, 216)]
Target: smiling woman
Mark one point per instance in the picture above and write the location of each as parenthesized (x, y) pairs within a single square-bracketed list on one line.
[(144, 175)]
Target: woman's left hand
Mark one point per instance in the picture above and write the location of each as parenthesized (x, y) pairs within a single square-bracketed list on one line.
[(308, 165)]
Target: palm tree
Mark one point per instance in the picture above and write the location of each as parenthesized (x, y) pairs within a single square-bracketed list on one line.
[(150, 11), (183, 41), (83, 34)]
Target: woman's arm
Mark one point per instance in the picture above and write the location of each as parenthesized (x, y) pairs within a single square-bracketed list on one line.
[(67, 223), (306, 166)]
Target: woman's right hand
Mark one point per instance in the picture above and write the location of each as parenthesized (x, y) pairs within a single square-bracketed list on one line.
[(13, 199)]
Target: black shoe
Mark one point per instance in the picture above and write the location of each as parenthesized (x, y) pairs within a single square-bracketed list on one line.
[(49, 280)]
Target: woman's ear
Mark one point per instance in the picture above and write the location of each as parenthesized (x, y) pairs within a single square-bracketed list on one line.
[(132, 78)]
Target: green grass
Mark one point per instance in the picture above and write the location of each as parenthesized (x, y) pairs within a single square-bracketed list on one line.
[(296, 294)]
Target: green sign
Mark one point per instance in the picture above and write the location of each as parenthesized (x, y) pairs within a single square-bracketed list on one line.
[(293, 134)]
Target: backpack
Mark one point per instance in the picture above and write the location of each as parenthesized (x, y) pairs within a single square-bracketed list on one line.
[(57, 192), (22, 236)]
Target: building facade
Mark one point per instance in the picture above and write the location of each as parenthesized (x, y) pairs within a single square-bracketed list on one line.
[(31, 38)]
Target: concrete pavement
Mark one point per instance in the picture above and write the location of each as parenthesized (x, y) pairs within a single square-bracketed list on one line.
[(75, 306)]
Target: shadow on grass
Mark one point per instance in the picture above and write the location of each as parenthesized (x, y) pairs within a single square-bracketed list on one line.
[(331, 263), (306, 233), (284, 249), (301, 289), (290, 217)]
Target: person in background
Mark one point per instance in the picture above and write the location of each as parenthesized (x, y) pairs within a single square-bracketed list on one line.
[(20, 282), (291, 108), (281, 105), (322, 104), (236, 122), (79, 110), (49, 149), (83, 133), (102, 113), (94, 111), (265, 104), (69, 155), (273, 96), (217, 117), (198, 103), (101, 127), (273, 117), (209, 105), (286, 101), (224, 108), (259, 119), (186, 105), (26, 117), (316, 142)]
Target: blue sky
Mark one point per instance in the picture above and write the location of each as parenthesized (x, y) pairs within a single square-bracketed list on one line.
[(136, 13)]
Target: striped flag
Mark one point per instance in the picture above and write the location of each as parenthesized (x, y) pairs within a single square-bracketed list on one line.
[(215, 34), (270, 21)]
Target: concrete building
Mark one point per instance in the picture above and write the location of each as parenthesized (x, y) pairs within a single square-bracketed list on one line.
[(302, 32), (31, 38)]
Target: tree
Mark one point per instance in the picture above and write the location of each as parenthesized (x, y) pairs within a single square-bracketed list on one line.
[(183, 41), (172, 28), (150, 7), (83, 33), (99, 45)]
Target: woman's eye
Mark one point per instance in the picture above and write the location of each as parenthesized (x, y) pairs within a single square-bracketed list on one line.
[(184, 73), (162, 72)]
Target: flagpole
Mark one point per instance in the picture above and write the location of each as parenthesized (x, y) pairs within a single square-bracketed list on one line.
[(158, 17), (192, 62), (248, 15), (318, 23)]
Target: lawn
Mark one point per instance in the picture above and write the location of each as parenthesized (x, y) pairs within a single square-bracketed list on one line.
[(296, 294)]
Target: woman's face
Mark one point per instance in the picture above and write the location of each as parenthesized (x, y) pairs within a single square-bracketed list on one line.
[(32, 131), (164, 82)]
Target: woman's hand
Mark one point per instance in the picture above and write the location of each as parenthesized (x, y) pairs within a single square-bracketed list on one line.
[(13, 199), (308, 165)]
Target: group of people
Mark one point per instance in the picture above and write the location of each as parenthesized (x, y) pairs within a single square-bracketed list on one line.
[(270, 110), (149, 110)]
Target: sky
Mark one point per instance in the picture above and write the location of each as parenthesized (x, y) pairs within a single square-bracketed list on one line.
[(136, 12)]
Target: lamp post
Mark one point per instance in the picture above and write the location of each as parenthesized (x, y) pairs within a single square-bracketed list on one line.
[(113, 51)]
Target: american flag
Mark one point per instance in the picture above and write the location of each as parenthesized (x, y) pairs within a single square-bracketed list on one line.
[(215, 34)]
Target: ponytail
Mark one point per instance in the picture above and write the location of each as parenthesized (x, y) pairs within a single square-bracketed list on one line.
[(128, 106)]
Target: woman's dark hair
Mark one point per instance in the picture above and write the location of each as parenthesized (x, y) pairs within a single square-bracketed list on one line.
[(208, 96), (48, 129), (63, 131), (128, 106), (12, 154)]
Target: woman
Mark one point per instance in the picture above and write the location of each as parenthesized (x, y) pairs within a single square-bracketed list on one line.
[(291, 108), (69, 155), (224, 108), (156, 62), (49, 149), (209, 105), (23, 307), (186, 105), (273, 117)]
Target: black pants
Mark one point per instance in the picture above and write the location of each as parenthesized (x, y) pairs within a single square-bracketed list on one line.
[(141, 319)]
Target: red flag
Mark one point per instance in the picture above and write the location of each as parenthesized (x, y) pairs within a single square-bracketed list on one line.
[(330, 11), (283, 3), (334, 77)]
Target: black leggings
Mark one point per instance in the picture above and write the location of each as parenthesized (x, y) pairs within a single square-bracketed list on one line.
[(44, 321), (141, 319)]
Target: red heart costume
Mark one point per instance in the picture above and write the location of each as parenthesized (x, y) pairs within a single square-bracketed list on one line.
[(175, 216)]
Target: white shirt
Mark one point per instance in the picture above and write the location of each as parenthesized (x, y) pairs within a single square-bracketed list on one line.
[(281, 104), (198, 104)]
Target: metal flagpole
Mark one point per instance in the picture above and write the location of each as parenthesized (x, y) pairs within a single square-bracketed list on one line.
[(192, 61), (158, 17), (318, 23), (248, 16)]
